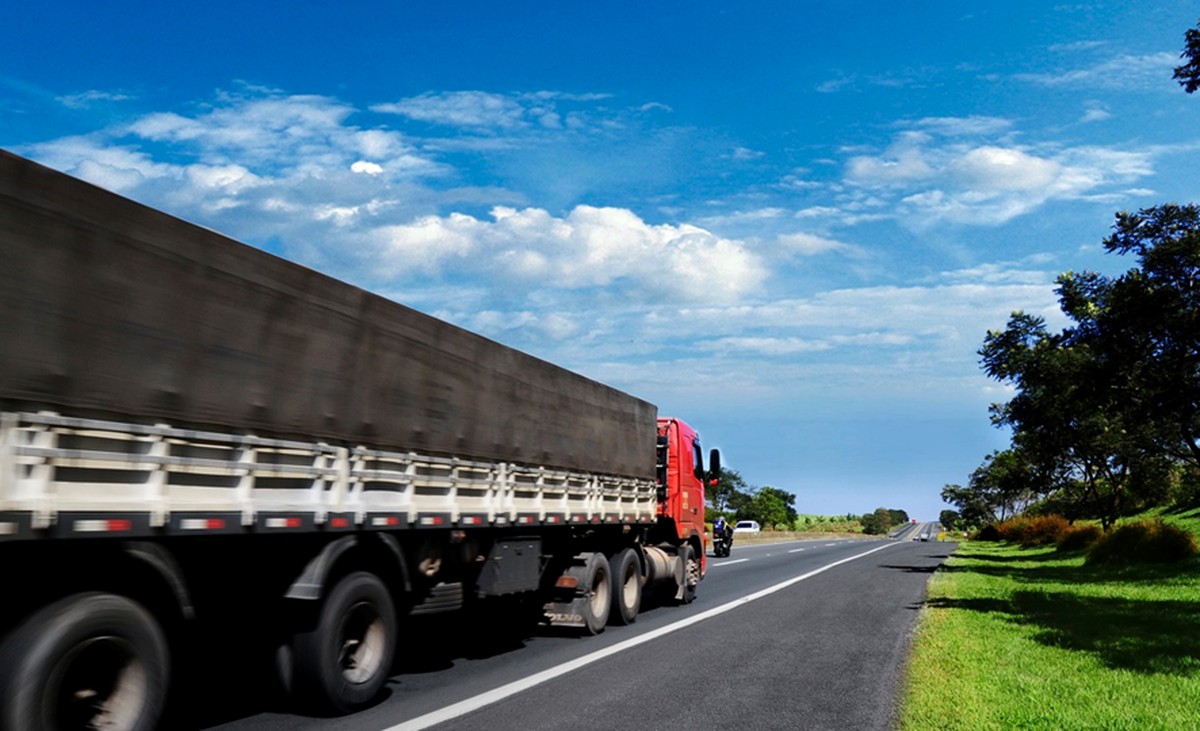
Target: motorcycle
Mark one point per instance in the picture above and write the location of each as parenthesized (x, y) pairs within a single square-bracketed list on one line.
[(721, 545)]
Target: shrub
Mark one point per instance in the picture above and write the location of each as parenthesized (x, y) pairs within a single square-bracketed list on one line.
[(1143, 541), (1044, 530), (1012, 529), (1079, 538), (1029, 531), (987, 533)]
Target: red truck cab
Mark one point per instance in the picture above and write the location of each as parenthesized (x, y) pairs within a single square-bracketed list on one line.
[(681, 482)]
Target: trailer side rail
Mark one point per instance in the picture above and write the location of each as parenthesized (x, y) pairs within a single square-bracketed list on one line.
[(67, 477)]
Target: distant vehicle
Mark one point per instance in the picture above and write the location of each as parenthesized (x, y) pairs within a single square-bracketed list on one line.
[(746, 526), (925, 536)]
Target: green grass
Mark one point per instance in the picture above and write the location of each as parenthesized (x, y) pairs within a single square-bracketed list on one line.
[(1033, 639)]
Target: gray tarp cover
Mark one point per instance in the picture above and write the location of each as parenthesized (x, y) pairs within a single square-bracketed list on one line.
[(112, 309)]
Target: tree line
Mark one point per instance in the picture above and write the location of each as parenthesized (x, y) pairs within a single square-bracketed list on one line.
[(1105, 416), (732, 497), (775, 509)]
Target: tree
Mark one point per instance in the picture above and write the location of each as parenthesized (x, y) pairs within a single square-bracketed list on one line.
[(769, 508), (973, 508), (873, 524), (1148, 324), (1006, 482), (1188, 74), (949, 520), (776, 499), (880, 521), (1105, 407), (725, 497), (1067, 417)]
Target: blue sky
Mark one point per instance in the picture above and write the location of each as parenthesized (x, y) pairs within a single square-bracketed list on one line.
[(790, 223)]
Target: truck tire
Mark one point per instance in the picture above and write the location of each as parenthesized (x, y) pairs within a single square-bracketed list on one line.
[(597, 582), (343, 662), (92, 660), (689, 575), (626, 587)]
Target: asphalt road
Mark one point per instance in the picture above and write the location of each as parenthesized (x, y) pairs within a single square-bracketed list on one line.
[(798, 635)]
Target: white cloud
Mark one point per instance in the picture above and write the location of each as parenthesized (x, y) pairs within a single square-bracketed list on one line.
[(459, 109), (1078, 46), (590, 247), (982, 184), (481, 111), (1095, 113), (88, 99), (116, 168), (280, 135), (424, 244), (770, 346), (808, 244), (903, 163), (745, 154), (228, 178), (367, 168), (997, 169), (1127, 72), (964, 126), (835, 85)]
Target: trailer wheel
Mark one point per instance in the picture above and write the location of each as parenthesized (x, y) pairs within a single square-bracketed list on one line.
[(597, 582), (89, 661), (688, 576), (626, 587), (343, 662)]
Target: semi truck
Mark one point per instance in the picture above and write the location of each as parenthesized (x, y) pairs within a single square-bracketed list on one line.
[(195, 432)]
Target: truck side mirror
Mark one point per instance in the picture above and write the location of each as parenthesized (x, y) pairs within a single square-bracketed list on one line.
[(714, 466)]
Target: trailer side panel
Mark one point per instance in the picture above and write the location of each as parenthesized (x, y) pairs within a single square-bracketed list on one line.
[(112, 309)]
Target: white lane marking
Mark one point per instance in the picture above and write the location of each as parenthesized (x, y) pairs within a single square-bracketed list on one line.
[(726, 563), (796, 550), (830, 544), (518, 686)]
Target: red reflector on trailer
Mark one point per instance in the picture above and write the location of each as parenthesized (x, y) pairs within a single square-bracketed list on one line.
[(567, 582), (284, 522), (339, 522), (202, 523), (103, 526)]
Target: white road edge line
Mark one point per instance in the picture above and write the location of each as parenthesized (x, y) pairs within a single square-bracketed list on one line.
[(517, 686), (726, 563), (796, 550)]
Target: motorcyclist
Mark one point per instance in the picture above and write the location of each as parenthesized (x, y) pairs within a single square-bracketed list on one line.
[(723, 532)]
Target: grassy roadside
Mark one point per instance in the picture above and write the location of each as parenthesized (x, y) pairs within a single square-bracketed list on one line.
[(782, 536), (1034, 639)]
